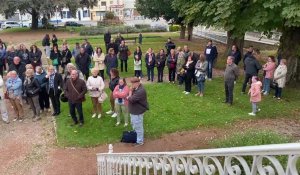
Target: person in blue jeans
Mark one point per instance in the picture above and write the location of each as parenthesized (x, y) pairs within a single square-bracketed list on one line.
[(137, 105), (150, 64), (211, 54)]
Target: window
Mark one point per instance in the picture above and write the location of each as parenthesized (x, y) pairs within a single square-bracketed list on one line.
[(103, 3), (66, 14), (86, 13), (99, 13)]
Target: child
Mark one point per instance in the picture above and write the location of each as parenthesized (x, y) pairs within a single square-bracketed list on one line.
[(120, 95), (137, 67), (255, 95)]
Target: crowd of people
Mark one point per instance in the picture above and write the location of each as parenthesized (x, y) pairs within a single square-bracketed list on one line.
[(28, 82)]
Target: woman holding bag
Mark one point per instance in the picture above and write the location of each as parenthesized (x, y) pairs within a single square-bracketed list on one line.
[(200, 73), (95, 86), (56, 57)]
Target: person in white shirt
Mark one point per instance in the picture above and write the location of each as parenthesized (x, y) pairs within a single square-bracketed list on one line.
[(95, 86)]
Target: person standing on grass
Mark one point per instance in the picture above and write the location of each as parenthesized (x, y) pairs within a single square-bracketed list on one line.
[(140, 38), (179, 64), (98, 58), (107, 38), (150, 64), (14, 89), (31, 89), (114, 81), (83, 61), (46, 45), (54, 40), (236, 53), (110, 61), (120, 95), (119, 39), (255, 95), (87, 47), (76, 50), (200, 74), (2, 59), (35, 56), (211, 54), (280, 78), (171, 63), (95, 86), (248, 54), (54, 88), (56, 57), (252, 66), (189, 68), (123, 55), (114, 46), (40, 75), (66, 57), (3, 108), (269, 69), (137, 66), (160, 62), (75, 91), (137, 105), (138, 54), (231, 74), (169, 46)]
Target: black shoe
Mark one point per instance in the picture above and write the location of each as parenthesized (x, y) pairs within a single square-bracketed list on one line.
[(57, 114), (148, 80)]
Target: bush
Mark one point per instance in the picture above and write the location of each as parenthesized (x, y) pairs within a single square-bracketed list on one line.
[(109, 15), (251, 138), (142, 26), (174, 28)]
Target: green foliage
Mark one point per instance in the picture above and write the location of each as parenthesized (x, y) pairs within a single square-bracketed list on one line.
[(142, 26), (174, 28), (251, 138), (109, 15)]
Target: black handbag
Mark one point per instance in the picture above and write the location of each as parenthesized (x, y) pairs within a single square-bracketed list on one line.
[(63, 98), (129, 137)]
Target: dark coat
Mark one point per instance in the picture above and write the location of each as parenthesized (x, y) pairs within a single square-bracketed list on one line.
[(54, 41), (139, 54), (72, 94), (211, 53), (20, 69), (10, 56), (57, 55), (36, 58), (114, 46), (170, 45), (88, 49), (113, 83), (160, 60), (107, 37), (171, 62), (137, 102), (32, 89), (25, 56), (83, 62), (66, 56), (123, 55), (58, 83), (237, 56), (119, 40), (111, 61), (252, 66), (190, 70), (150, 64)]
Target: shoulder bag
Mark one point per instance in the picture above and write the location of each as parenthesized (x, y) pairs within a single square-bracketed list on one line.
[(76, 90)]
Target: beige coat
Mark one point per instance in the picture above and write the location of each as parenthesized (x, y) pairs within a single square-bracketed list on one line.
[(99, 61), (280, 75)]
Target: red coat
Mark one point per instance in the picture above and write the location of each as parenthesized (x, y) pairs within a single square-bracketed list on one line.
[(255, 92), (123, 94)]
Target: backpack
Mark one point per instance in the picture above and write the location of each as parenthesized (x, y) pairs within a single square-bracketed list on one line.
[(129, 137)]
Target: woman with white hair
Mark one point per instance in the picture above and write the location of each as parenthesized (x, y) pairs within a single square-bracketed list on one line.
[(95, 86), (70, 67)]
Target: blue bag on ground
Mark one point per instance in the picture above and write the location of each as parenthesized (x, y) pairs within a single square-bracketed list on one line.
[(129, 137)]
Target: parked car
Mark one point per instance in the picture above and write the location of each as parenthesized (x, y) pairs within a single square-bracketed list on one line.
[(25, 24), (10, 24), (73, 24)]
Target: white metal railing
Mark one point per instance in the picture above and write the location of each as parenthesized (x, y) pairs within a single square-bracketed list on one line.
[(281, 159)]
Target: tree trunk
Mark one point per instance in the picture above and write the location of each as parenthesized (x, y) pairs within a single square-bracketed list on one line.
[(182, 31), (289, 49), (190, 31), (35, 19), (234, 40)]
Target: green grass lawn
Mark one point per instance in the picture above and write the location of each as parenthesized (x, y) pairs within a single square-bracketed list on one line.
[(171, 111)]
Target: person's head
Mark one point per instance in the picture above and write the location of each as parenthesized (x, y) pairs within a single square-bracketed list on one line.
[(11, 48), (111, 51), (70, 67), (114, 72), (77, 45), (51, 69), (202, 57), (38, 69), (179, 49), (138, 48), (33, 48), (28, 66), (190, 57), (53, 35), (122, 82), (162, 52), (250, 49), (283, 61), (94, 72), (112, 40), (17, 60), (122, 42), (209, 43), (271, 58), (172, 52), (82, 50), (55, 48), (99, 50), (64, 47), (150, 50), (74, 74), (13, 74), (119, 34), (47, 36), (185, 48), (135, 82), (85, 41), (230, 60), (254, 79), (169, 40), (22, 47), (234, 48), (29, 73)]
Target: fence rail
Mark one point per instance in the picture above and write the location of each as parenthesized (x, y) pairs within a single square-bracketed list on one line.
[(281, 159)]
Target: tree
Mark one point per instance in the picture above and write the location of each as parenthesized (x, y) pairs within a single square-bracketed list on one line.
[(154, 9)]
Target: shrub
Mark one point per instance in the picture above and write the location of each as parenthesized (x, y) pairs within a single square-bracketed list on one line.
[(109, 15), (174, 28), (142, 26)]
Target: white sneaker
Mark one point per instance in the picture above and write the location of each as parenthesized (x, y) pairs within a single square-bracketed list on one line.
[(15, 119), (126, 124), (114, 115), (184, 92), (109, 112), (252, 114), (187, 93), (99, 115), (118, 123), (94, 115), (258, 110)]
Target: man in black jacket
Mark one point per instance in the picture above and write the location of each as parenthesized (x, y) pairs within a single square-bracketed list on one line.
[(138, 105), (19, 67), (88, 47), (83, 61), (169, 45), (107, 38)]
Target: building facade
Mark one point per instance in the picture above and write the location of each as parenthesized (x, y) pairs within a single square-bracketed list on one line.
[(116, 6)]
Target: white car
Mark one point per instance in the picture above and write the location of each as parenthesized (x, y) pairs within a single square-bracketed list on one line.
[(10, 24), (25, 24)]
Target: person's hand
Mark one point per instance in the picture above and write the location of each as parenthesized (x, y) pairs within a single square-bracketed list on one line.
[(234, 82), (58, 87)]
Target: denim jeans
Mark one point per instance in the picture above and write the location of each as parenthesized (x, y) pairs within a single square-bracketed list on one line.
[(137, 125), (201, 85), (267, 82), (278, 92), (209, 69), (150, 73), (78, 107), (254, 107)]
